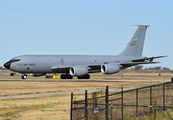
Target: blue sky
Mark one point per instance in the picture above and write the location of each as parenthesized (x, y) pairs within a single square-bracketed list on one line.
[(84, 27)]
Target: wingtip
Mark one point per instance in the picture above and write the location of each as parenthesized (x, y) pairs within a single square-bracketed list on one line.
[(162, 56)]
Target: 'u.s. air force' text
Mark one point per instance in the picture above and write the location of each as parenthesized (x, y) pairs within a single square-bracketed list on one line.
[(29, 64)]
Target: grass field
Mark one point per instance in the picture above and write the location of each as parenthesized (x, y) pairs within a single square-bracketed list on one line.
[(58, 107)]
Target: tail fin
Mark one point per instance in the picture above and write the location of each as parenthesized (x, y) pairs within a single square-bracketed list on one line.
[(135, 46)]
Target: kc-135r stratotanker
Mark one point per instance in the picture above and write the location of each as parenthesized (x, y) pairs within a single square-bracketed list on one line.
[(81, 65)]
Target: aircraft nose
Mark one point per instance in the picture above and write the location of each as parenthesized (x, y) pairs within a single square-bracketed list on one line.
[(7, 65)]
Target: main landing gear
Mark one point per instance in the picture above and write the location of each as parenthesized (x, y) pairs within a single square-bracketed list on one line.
[(84, 77), (24, 76), (67, 76)]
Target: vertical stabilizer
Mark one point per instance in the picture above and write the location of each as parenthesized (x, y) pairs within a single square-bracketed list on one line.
[(135, 46)]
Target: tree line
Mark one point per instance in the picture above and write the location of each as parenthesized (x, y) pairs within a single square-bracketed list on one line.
[(140, 67)]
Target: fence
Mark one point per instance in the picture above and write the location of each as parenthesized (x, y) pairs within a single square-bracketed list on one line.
[(123, 105)]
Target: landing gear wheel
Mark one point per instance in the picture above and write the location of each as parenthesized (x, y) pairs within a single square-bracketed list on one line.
[(66, 76), (24, 76), (84, 77)]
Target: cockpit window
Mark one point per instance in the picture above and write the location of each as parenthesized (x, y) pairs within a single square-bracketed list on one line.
[(14, 60), (7, 64)]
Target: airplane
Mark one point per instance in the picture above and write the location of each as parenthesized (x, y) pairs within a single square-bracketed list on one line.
[(80, 65)]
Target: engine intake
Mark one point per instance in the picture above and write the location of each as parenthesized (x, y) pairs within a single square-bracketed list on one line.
[(110, 69), (78, 71)]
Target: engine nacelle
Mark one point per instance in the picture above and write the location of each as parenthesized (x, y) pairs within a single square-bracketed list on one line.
[(78, 71), (38, 74), (110, 69)]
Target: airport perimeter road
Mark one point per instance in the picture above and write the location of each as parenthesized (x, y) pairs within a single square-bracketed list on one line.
[(58, 93)]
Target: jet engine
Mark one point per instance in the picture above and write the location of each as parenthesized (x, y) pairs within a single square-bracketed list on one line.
[(78, 71), (38, 74), (110, 69)]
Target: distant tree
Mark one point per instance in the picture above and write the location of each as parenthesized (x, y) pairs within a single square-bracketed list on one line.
[(152, 68), (158, 68), (1, 67), (165, 68), (138, 67), (146, 68)]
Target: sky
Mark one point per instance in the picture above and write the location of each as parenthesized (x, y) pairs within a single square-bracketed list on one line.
[(84, 27)]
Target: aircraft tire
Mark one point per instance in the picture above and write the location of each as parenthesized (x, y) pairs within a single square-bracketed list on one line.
[(84, 77), (24, 76), (66, 77), (69, 77)]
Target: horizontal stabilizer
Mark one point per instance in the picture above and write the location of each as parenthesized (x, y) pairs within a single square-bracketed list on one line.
[(137, 63), (149, 59), (126, 65)]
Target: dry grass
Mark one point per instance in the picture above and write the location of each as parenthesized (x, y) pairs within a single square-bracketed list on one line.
[(58, 107), (52, 108), (129, 98), (10, 88)]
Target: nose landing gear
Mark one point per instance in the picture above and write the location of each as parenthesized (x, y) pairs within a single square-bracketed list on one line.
[(24, 76)]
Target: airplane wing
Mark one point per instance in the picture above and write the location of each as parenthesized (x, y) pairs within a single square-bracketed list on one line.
[(65, 69), (61, 69), (147, 59), (129, 64), (97, 67)]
